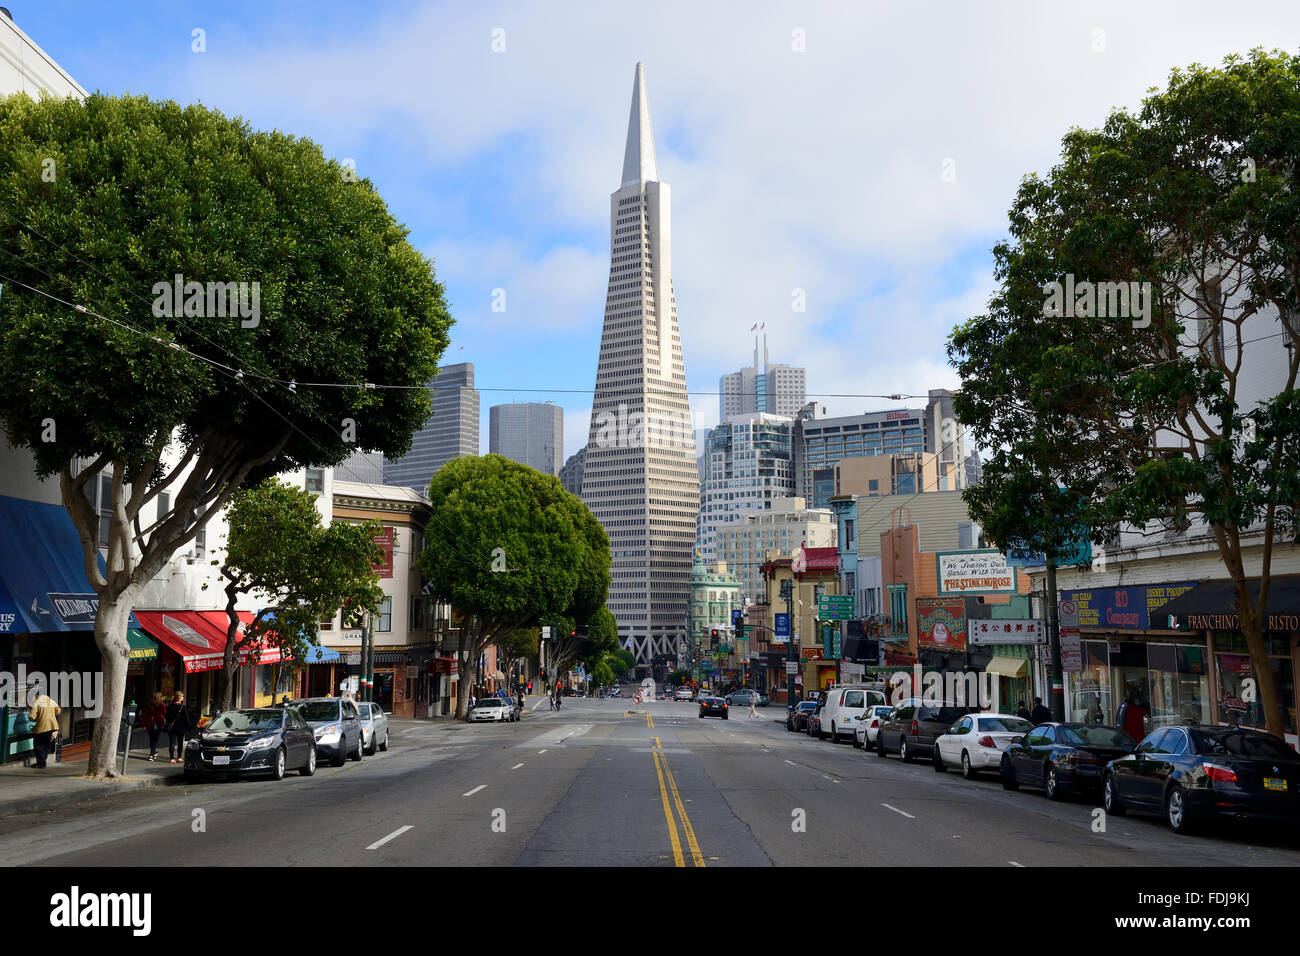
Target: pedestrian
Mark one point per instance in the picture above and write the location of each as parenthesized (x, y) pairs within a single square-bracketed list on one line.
[(521, 701), (1022, 711), (550, 699), (154, 716), (1131, 717), (1040, 714), (44, 715), (178, 723), (530, 688), (753, 704)]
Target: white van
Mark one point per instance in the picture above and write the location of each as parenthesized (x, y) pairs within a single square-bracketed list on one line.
[(844, 705)]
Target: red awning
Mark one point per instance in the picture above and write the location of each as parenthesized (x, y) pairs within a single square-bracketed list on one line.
[(265, 655), (200, 645)]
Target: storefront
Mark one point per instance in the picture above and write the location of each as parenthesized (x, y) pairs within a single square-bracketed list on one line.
[(192, 654)]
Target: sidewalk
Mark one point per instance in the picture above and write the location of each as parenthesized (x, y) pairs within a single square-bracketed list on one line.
[(26, 789)]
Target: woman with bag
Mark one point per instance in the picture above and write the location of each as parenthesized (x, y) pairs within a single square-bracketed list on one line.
[(179, 725), (154, 716)]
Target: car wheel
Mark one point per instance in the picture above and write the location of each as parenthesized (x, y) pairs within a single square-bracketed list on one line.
[(356, 754), (384, 745), (1009, 781), (1177, 812), (1110, 799), (701, 715), (724, 716), (277, 771), (340, 757), (309, 767), (903, 753), (880, 745), (835, 735), (857, 741), (1052, 785), (937, 759), (374, 745), (967, 770)]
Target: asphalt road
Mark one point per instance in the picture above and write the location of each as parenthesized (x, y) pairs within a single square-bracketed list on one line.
[(609, 783)]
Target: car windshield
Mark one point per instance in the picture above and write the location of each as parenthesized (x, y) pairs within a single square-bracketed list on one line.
[(319, 710), (1012, 725), (251, 721), (881, 711), (1093, 735), (1241, 743), (491, 702), (808, 705)]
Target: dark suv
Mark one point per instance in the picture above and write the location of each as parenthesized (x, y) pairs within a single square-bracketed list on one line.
[(914, 724)]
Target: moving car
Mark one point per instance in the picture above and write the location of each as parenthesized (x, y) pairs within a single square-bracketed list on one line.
[(685, 693), (374, 727), (1191, 774), (491, 708), (976, 742), (864, 734), (713, 707), (914, 724), (261, 740), (1063, 758), (336, 723), (796, 719)]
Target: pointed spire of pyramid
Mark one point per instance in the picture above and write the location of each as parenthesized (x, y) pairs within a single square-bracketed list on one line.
[(639, 156)]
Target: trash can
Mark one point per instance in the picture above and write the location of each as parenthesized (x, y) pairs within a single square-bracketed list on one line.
[(17, 723)]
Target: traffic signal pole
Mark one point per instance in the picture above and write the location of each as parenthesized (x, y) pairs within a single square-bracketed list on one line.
[(787, 592)]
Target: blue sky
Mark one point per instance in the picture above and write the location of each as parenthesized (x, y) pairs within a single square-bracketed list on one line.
[(819, 169)]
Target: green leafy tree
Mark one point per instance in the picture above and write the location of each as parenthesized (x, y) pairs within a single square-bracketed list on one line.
[(1174, 410), (279, 550), (508, 547), (519, 644), (678, 677), (181, 396)]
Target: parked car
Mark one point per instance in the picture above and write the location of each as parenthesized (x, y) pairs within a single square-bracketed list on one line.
[(261, 740), (814, 724), (491, 709), (914, 724), (864, 733), (843, 707), (714, 707), (1063, 758), (336, 722), (1192, 774), (763, 700), (976, 742), (374, 727), (796, 718)]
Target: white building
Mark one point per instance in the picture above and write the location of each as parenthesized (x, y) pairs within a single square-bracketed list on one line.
[(745, 542), (745, 467), (26, 68), (775, 389)]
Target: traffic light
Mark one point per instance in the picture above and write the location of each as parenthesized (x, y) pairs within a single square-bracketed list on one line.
[(715, 632)]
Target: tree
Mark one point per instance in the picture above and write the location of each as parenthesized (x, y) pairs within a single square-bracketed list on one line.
[(1138, 273), (583, 643), (518, 644), (507, 546), (679, 677), (186, 397), (278, 548)]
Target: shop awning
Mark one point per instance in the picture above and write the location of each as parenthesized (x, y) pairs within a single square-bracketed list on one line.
[(1212, 606), (320, 655), (1007, 666), (201, 646), (142, 647), (42, 572), (219, 620)]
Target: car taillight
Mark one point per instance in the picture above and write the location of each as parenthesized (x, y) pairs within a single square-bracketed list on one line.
[(1078, 756), (725, 704), (876, 722), (916, 727), (1220, 773), (986, 741)]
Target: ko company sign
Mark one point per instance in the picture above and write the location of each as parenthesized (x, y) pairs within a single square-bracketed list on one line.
[(1128, 609), (983, 571)]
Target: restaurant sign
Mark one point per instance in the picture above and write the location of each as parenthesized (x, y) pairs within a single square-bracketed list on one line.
[(941, 624), (983, 571)]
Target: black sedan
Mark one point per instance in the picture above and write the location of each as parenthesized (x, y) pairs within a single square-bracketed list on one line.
[(714, 707), (797, 719), (266, 740), (1191, 774), (1063, 758)]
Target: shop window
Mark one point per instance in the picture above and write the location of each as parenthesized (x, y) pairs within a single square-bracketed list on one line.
[(1234, 707)]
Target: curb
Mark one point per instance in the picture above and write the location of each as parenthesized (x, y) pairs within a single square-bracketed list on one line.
[(88, 794)]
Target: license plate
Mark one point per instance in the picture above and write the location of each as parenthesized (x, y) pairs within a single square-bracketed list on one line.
[(1274, 783), (220, 761)]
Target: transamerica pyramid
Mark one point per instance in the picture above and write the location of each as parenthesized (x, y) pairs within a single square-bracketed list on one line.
[(641, 479)]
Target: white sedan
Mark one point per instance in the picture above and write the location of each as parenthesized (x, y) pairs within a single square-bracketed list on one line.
[(868, 724), (976, 742)]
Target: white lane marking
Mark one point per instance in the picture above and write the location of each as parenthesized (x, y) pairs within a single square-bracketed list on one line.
[(896, 810), (475, 790), (792, 763), (516, 766), (542, 751), (1014, 863), (392, 836)]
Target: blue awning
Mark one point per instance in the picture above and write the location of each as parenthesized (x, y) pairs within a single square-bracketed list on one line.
[(320, 655), (42, 576)]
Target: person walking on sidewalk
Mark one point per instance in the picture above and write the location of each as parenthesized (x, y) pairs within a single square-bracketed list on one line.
[(44, 715), (154, 716), (178, 724)]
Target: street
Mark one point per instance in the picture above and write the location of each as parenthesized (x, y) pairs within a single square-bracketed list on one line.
[(609, 783)]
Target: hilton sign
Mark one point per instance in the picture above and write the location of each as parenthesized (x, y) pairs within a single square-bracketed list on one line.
[(1278, 623)]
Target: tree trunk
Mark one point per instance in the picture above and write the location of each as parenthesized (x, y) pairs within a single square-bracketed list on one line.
[(1265, 686), (466, 677), (115, 651)]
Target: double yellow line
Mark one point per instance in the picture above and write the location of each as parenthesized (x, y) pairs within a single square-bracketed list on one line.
[(662, 771)]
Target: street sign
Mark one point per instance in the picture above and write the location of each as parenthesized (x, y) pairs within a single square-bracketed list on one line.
[(736, 617), (782, 626), (835, 607), (792, 667)]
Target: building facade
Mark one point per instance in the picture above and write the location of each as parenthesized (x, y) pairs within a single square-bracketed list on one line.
[(640, 475), (746, 465), (451, 431), (571, 473), (715, 594), (774, 389), (531, 433), (750, 539)]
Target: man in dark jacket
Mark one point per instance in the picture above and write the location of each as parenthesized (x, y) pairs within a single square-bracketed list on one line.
[(1040, 714), (1022, 711)]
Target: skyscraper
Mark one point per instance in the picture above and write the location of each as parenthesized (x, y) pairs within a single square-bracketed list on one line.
[(531, 433), (450, 432), (774, 389), (640, 476)]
